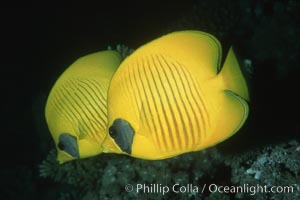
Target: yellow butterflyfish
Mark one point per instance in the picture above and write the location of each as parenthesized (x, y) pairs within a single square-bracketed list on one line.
[(76, 109), (172, 96), (169, 97)]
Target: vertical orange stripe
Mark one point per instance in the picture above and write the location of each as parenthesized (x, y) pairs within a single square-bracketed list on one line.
[(84, 109), (177, 108), (64, 109), (61, 111), (146, 86), (170, 107), (152, 78), (200, 96), (69, 106), (206, 120), (97, 87), (91, 101), (133, 87), (101, 104), (159, 131), (185, 88), (188, 88), (77, 107), (177, 82)]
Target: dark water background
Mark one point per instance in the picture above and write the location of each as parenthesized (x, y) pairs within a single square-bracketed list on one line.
[(39, 43)]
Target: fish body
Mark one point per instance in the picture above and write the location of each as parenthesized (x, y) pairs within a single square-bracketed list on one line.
[(76, 109), (172, 96)]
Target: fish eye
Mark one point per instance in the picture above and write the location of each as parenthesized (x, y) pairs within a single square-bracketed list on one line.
[(61, 146), (112, 131), (122, 133), (68, 144)]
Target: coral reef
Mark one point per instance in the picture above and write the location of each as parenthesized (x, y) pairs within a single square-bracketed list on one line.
[(106, 176), (273, 165), (122, 49)]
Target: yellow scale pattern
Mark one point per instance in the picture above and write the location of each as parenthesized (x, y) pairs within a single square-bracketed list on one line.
[(169, 102), (82, 102)]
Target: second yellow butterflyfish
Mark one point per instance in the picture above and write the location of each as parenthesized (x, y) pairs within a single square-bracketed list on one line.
[(76, 109)]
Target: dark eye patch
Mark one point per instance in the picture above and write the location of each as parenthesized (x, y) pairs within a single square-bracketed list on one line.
[(122, 133), (68, 144)]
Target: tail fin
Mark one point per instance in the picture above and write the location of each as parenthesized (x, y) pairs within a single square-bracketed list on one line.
[(233, 77)]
